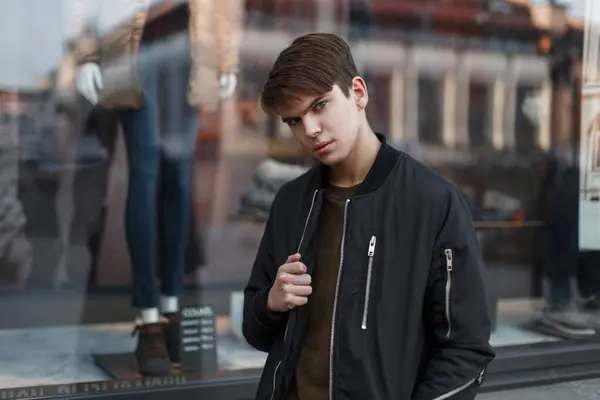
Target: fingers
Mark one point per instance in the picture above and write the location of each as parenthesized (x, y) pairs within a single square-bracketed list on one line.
[(89, 92), (292, 301), (297, 290), (294, 268), (88, 83), (294, 279), (292, 284), (93, 91), (93, 96), (98, 81), (293, 258)]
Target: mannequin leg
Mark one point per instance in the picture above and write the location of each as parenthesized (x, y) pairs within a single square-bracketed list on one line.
[(141, 142), (140, 129), (178, 137), (178, 131), (174, 224), (67, 136)]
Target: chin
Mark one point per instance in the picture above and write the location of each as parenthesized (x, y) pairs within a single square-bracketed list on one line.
[(330, 159)]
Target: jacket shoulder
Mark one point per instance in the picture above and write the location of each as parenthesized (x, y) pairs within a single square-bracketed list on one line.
[(424, 180), (431, 195), (429, 187), (290, 192)]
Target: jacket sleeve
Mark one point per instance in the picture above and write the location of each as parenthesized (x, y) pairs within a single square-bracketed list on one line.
[(260, 325), (228, 23), (125, 27), (83, 38), (456, 314)]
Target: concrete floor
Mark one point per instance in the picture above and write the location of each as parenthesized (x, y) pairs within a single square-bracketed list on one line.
[(588, 390)]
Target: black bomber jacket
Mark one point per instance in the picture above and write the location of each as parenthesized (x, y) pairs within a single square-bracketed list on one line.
[(410, 320)]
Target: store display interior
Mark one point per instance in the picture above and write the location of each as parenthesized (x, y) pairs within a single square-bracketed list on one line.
[(56, 355)]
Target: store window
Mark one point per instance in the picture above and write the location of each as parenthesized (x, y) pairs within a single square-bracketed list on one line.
[(128, 224), (527, 119), (379, 114), (480, 115), (430, 95)]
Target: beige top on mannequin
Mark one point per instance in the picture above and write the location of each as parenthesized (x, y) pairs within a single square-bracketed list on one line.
[(215, 34)]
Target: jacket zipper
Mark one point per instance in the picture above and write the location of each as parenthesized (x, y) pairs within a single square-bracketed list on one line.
[(459, 389), (312, 205), (448, 253), (449, 265), (335, 300), (287, 325), (275, 378), (480, 377), (371, 254)]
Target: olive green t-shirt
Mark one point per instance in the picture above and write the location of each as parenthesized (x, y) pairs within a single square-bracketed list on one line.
[(312, 371)]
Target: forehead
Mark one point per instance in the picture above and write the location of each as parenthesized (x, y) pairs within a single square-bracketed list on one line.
[(299, 104)]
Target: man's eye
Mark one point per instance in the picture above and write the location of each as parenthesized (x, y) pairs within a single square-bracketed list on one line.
[(320, 105)]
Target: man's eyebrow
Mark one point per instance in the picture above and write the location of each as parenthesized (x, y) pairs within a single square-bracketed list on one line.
[(311, 105)]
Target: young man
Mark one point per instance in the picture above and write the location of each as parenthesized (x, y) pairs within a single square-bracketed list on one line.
[(366, 284)]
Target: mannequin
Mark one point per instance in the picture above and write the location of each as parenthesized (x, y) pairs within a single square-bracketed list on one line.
[(159, 139), (67, 136)]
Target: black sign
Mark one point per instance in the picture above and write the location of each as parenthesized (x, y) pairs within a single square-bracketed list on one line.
[(198, 339)]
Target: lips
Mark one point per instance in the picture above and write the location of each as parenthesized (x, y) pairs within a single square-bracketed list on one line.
[(322, 145)]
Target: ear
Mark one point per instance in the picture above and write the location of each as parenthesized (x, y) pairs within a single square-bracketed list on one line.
[(359, 92)]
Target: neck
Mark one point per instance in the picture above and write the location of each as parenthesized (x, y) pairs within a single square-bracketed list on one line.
[(357, 164)]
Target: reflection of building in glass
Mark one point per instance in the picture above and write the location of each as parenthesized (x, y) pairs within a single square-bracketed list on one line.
[(589, 155), (596, 166), (590, 159), (446, 75), (15, 247), (454, 80)]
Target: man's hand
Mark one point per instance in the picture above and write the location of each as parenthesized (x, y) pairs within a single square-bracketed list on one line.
[(292, 286)]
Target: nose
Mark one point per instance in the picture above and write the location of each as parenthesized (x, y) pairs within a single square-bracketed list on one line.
[(312, 127)]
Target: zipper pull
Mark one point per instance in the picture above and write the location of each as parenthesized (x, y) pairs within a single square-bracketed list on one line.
[(448, 253), (480, 377), (371, 251)]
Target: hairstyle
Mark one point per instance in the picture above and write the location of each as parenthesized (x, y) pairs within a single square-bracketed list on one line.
[(311, 66)]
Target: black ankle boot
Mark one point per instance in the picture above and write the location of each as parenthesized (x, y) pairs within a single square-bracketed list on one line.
[(173, 337), (151, 352)]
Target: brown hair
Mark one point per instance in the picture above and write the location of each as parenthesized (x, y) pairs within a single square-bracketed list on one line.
[(311, 65)]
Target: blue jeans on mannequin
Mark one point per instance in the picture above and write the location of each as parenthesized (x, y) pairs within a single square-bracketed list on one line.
[(159, 140)]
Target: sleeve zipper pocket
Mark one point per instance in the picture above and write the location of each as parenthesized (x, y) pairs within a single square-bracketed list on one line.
[(371, 255), (449, 266), (454, 392)]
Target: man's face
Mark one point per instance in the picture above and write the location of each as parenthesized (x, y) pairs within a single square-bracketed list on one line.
[(327, 126)]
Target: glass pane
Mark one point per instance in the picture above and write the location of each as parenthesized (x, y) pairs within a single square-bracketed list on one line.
[(479, 114), (527, 119), (136, 175), (430, 99)]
